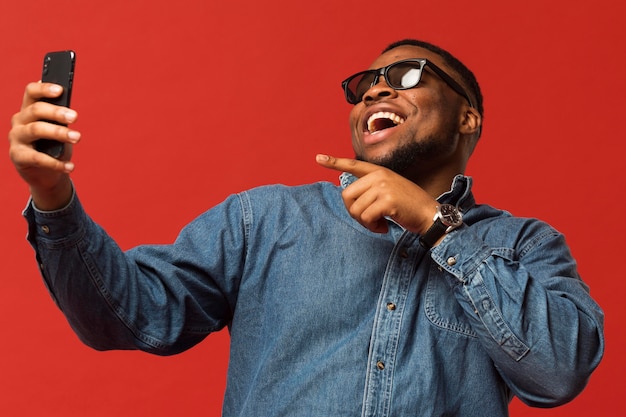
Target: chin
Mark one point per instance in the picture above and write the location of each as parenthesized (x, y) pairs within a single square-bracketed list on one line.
[(379, 155)]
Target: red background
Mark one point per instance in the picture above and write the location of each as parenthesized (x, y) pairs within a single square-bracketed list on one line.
[(182, 103)]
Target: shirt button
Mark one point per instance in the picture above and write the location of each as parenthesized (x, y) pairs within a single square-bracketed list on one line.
[(404, 254), (45, 229), (451, 261), (380, 365), (391, 306)]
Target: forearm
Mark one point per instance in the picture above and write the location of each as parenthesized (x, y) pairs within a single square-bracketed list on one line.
[(114, 300), (63, 252), (533, 314)]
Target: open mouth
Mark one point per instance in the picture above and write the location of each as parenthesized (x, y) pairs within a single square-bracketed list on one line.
[(383, 120)]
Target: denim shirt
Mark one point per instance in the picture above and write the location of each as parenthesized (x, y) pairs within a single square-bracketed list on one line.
[(329, 319)]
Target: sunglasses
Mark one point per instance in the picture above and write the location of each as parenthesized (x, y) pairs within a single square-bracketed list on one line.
[(400, 75)]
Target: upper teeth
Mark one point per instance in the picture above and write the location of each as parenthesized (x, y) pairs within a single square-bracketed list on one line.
[(383, 115)]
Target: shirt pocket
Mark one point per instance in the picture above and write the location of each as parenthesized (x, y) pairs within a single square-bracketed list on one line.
[(441, 306)]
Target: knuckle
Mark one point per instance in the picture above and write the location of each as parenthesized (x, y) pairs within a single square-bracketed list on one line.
[(33, 86), (13, 135), (15, 119), (33, 129), (59, 131), (348, 194), (31, 90), (37, 108), (370, 221), (354, 212), (39, 130), (383, 175)]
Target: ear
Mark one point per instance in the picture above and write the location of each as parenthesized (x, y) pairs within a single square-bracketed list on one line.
[(471, 121)]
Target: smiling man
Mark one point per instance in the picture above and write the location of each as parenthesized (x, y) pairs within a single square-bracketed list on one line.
[(434, 124), (393, 294)]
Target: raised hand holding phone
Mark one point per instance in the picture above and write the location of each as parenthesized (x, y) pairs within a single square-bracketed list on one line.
[(58, 68), (48, 178)]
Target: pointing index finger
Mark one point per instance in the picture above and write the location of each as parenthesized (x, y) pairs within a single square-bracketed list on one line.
[(353, 166)]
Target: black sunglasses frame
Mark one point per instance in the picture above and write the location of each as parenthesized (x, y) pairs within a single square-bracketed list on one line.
[(353, 99)]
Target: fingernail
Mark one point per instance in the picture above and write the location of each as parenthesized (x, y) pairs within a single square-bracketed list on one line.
[(69, 166), (322, 158), (56, 89), (70, 116), (73, 136)]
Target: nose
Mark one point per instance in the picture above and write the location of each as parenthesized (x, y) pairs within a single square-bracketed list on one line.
[(379, 91)]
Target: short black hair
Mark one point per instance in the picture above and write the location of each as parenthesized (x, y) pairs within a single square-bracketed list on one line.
[(451, 61)]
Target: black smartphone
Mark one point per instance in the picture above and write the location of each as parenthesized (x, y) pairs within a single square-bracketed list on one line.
[(58, 68)]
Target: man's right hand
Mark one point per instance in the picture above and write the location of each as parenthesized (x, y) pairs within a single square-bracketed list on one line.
[(48, 178)]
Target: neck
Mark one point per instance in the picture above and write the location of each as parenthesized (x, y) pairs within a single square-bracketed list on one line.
[(434, 182)]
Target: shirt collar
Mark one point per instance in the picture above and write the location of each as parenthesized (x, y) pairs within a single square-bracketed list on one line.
[(460, 193)]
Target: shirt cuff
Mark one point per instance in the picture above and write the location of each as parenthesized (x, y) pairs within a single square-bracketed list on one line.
[(461, 252), (56, 224)]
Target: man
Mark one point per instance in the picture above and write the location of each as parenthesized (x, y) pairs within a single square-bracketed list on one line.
[(413, 301)]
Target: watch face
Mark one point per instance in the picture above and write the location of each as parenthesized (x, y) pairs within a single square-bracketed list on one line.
[(450, 216)]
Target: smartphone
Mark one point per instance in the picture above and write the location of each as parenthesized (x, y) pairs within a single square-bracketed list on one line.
[(58, 68)]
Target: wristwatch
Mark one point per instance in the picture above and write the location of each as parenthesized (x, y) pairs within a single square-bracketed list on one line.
[(447, 218)]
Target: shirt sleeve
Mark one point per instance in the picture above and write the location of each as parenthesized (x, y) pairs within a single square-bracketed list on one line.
[(532, 312), (162, 299)]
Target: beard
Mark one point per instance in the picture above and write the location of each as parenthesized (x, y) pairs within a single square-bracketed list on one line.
[(412, 155)]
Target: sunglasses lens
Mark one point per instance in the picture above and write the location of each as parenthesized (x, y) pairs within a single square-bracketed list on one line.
[(404, 75), (357, 86), (400, 76)]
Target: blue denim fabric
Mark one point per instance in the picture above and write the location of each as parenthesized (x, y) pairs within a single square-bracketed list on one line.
[(329, 319)]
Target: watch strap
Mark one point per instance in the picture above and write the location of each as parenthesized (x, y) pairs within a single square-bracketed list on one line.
[(433, 234)]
